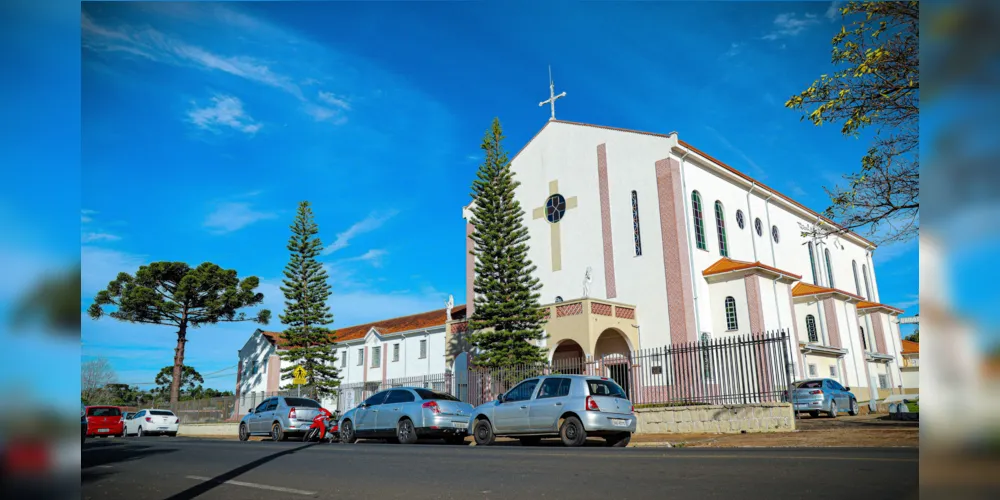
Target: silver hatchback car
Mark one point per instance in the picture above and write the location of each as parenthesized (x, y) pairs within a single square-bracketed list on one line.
[(570, 407), (279, 417), (404, 414)]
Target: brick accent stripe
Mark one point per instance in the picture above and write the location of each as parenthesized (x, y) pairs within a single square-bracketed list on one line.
[(569, 309), (602, 309), (609, 249), (754, 307), (673, 237), (385, 360), (470, 271), (364, 365), (879, 333), (832, 323), (624, 312)]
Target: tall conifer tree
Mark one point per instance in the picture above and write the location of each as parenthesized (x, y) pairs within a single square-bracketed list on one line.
[(308, 342), (507, 317)]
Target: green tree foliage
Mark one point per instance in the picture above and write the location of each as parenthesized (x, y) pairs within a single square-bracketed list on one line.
[(876, 84), (308, 342), (190, 378), (913, 337), (507, 317), (173, 294)]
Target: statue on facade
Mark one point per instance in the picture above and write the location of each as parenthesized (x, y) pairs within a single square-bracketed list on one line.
[(450, 305), (587, 280)]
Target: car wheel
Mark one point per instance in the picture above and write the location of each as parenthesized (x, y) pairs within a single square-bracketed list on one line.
[(276, 433), (619, 440), (140, 433), (483, 433), (572, 433), (530, 441), (347, 432), (405, 432), (244, 433), (854, 408), (833, 409)]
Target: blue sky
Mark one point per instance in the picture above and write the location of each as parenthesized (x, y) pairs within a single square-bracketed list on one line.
[(202, 126)]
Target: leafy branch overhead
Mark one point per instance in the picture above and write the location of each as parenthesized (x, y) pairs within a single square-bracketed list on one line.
[(876, 86)]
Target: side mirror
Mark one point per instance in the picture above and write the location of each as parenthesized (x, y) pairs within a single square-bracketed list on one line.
[(847, 389), (500, 398), (250, 410)]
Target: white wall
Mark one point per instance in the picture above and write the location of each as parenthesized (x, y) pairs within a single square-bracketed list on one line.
[(410, 363), (716, 300), (256, 351)]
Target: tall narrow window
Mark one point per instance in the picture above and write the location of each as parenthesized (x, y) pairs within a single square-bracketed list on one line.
[(376, 356), (811, 329), (720, 226), (812, 263), (706, 355), (699, 223), (731, 314), (361, 356), (395, 352), (864, 341), (857, 283), (635, 224), (423, 349), (829, 269), (868, 282), (343, 359)]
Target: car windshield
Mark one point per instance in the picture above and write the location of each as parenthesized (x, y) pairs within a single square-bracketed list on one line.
[(605, 388), (104, 412), (301, 402), (810, 384), (162, 413), (428, 394)]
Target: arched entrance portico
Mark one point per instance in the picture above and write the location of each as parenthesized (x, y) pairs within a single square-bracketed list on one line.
[(568, 357), (613, 351)]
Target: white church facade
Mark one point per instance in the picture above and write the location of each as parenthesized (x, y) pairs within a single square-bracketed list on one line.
[(641, 240)]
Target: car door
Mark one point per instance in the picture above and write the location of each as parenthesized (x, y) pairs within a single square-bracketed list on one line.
[(511, 416), (132, 424), (367, 414), (843, 399), (393, 409), (548, 405), (256, 418)]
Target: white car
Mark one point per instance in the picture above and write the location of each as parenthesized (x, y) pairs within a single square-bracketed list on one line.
[(151, 421)]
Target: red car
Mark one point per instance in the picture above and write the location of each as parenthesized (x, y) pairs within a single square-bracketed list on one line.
[(105, 421)]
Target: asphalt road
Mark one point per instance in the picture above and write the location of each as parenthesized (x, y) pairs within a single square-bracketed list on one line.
[(179, 468)]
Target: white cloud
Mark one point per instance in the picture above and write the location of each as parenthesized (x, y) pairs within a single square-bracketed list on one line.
[(334, 100), (86, 215), (101, 265), (373, 257), (224, 111), (757, 171), (833, 11), (790, 24), (368, 224), (734, 49), (92, 237), (323, 114), (232, 216)]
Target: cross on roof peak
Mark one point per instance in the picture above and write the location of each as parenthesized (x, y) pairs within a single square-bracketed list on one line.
[(551, 101)]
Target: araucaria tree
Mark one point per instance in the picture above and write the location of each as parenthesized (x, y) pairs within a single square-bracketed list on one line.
[(308, 342), (507, 321), (173, 294), (876, 85)]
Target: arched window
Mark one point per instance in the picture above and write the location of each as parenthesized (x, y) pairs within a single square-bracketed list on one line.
[(635, 224), (868, 282), (731, 324), (811, 329), (720, 226), (739, 219), (864, 341), (812, 263), (699, 224), (829, 269), (857, 283)]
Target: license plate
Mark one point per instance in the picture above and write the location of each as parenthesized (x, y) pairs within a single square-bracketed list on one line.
[(619, 422), (461, 425), (162, 428), (103, 430)]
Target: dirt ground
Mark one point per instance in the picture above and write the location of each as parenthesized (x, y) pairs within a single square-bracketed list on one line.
[(843, 431)]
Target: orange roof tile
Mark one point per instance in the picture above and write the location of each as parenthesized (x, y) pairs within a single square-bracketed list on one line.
[(874, 305), (387, 326), (911, 347), (805, 289), (725, 265)]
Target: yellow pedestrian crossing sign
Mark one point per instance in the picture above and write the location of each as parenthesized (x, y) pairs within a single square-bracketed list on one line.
[(300, 375)]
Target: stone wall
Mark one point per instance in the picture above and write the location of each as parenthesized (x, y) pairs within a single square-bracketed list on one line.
[(212, 430), (716, 419)]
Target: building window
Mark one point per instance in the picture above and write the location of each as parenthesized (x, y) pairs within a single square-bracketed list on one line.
[(254, 368), (376, 356), (864, 341), (635, 224), (774, 233), (720, 226), (759, 226), (706, 356), (731, 314), (395, 352), (868, 282), (343, 359), (833, 371), (811, 329), (829, 269), (699, 224), (857, 283), (883, 382), (812, 262), (423, 349), (739, 219), (361, 356), (813, 371), (555, 208)]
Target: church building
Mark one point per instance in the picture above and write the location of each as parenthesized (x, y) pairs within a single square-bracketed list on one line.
[(642, 240)]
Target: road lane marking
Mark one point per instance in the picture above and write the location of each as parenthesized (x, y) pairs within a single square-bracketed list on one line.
[(254, 485)]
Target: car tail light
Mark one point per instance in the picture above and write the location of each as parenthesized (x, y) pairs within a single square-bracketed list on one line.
[(592, 405), (632, 410), (432, 405), (291, 414), (149, 419), (177, 420), (815, 392)]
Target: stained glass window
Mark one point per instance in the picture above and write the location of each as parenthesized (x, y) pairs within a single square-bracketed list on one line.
[(720, 226), (758, 226), (739, 219), (829, 269), (555, 208), (811, 329), (857, 283), (812, 263), (635, 224), (774, 233), (731, 314), (699, 225)]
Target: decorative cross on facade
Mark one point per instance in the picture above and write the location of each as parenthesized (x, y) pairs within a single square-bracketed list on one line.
[(551, 101), (553, 211)]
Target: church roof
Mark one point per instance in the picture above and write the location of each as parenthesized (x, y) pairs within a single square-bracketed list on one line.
[(805, 290), (391, 326), (875, 305), (911, 347), (736, 172), (727, 265)]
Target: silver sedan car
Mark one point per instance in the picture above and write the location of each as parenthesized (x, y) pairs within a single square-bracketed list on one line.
[(279, 417), (570, 407), (405, 414), (823, 395)]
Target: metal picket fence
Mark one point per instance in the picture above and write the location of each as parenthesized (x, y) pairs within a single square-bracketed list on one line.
[(352, 394)]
